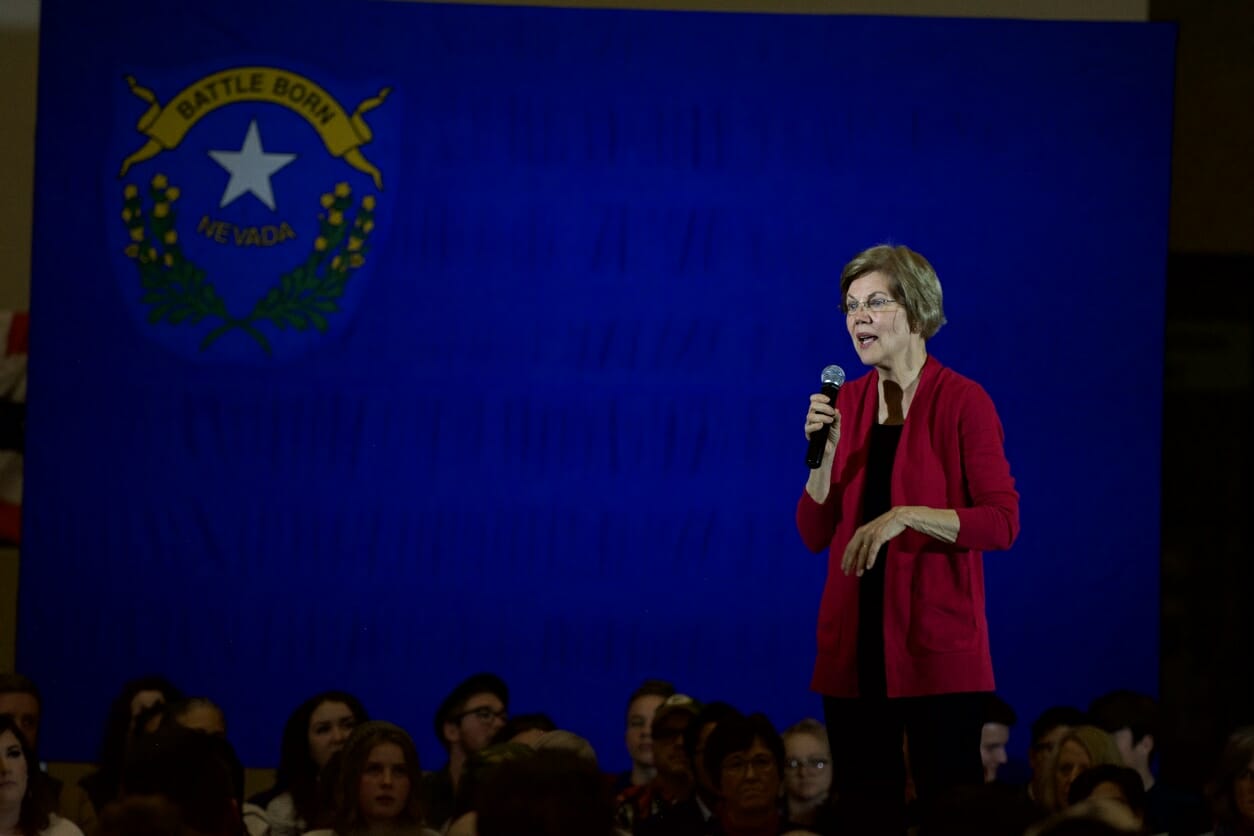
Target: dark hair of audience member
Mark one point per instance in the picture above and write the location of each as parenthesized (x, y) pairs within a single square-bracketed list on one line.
[(15, 683), (1125, 709), (199, 773), (997, 710), (736, 733), (992, 809), (140, 815), (651, 688), (1127, 779), (297, 772), (516, 725), (1055, 716), (1237, 754), (345, 771), (552, 793), (37, 804), (479, 767), (102, 786), (712, 712)]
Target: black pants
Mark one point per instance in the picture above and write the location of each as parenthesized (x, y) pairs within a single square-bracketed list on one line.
[(868, 765)]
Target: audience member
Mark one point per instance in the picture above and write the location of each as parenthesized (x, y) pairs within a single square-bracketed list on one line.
[(807, 771), (140, 815), (198, 773), (1131, 719), (136, 697), (1047, 730), (198, 714), (25, 799), (551, 793), (466, 721), (524, 728), (641, 705), (1117, 783), (316, 730), (1080, 748), (691, 814), (475, 773), (1094, 817), (20, 699), (745, 757), (1232, 789), (376, 784), (995, 734), (674, 780)]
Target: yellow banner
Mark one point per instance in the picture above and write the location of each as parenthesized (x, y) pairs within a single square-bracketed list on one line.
[(342, 133)]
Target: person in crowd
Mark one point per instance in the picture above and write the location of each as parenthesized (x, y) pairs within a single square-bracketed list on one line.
[(995, 735), (1079, 749), (691, 814), (375, 788), (807, 771), (1131, 718), (1231, 791), (198, 714), (913, 486), (1118, 783), (641, 705), (466, 721), (475, 774), (25, 798), (21, 700), (674, 781), (745, 758), (524, 728), (1047, 730), (140, 815), (136, 697), (198, 773), (1092, 817), (316, 730), (551, 793)]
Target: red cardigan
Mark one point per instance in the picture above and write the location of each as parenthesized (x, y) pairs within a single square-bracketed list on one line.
[(950, 456)]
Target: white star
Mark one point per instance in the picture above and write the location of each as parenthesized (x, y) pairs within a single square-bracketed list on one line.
[(250, 168)]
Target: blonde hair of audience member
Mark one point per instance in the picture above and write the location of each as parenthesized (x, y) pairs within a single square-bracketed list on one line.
[(1232, 789), (1081, 748), (807, 769), (25, 806), (567, 741)]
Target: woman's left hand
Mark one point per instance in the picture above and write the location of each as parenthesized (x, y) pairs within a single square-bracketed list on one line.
[(866, 542)]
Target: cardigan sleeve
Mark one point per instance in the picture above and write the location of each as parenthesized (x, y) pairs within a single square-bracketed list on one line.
[(817, 522), (991, 522)]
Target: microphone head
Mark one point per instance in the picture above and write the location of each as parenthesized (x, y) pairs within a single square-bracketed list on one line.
[(833, 376)]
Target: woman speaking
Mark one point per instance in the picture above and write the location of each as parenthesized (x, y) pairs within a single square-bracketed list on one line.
[(912, 487)]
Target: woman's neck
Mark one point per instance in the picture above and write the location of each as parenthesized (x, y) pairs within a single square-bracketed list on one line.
[(9, 817), (905, 370)]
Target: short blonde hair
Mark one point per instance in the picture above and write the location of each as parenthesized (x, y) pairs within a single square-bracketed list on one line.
[(911, 278), (1101, 749)]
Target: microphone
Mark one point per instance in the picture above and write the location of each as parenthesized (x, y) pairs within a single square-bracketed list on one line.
[(833, 378)]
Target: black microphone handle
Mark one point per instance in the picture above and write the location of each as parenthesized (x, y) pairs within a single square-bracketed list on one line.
[(814, 453)]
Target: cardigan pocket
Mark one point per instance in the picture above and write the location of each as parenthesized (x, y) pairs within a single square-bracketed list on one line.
[(942, 607)]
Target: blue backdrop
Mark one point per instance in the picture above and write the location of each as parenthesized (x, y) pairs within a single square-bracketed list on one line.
[(418, 340)]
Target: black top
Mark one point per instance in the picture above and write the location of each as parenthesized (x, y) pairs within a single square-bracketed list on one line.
[(876, 499)]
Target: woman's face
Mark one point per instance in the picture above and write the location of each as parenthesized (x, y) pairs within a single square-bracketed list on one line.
[(1072, 760), (807, 767), (13, 771), (749, 782), (329, 726), (882, 338), (383, 790), (1243, 793)]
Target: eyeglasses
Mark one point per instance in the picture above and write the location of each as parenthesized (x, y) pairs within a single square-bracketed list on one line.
[(794, 764), (873, 304), (484, 715), (740, 765)]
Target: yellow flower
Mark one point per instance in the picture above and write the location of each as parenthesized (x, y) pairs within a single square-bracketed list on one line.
[(354, 244), (367, 226), (171, 237), (130, 191), (159, 181), (320, 243), (126, 214), (169, 260), (152, 254), (160, 210), (132, 250), (342, 190), (172, 193), (356, 259), (137, 233), (335, 217), (326, 200), (367, 203), (337, 262)]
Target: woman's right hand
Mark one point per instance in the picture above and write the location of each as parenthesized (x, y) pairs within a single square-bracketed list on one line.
[(823, 417)]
